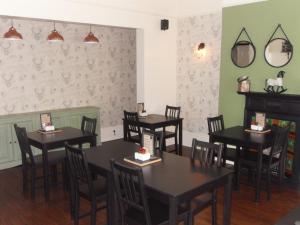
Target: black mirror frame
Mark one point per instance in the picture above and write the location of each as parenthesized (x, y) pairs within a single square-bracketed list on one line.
[(292, 52), (279, 27), (249, 42), (244, 43)]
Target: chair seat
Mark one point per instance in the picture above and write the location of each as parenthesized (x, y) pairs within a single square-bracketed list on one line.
[(231, 154), (201, 202), (159, 213), (251, 160), (169, 134), (99, 188), (135, 139), (54, 157)]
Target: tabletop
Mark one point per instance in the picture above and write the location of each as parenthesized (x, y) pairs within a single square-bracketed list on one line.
[(157, 119), (174, 175), (238, 136), (65, 134)]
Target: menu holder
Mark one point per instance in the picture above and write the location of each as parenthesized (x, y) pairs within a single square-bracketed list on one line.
[(258, 132), (132, 160), (50, 132)]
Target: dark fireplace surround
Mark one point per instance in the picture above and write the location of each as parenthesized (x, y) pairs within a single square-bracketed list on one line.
[(277, 106)]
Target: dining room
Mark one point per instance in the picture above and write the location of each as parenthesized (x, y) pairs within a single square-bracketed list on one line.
[(149, 112)]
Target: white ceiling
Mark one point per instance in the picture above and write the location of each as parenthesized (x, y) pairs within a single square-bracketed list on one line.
[(227, 3)]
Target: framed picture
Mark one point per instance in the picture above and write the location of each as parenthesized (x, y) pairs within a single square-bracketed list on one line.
[(46, 120), (148, 141)]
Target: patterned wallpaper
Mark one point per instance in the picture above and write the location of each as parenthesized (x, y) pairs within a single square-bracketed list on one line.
[(198, 78), (38, 75)]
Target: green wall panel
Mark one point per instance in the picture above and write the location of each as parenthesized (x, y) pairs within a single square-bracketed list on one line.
[(260, 20)]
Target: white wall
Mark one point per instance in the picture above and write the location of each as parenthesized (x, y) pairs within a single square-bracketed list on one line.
[(156, 59), (188, 8)]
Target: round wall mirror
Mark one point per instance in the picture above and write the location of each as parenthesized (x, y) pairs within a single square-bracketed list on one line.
[(243, 53), (278, 52)]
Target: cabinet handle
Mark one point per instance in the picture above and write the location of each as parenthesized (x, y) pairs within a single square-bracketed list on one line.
[(10, 142), (15, 142)]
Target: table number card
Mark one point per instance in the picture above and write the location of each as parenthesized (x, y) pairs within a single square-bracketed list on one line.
[(260, 119), (46, 120), (148, 141)]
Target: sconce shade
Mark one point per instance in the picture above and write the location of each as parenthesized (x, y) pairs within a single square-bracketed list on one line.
[(201, 46), (54, 36), (91, 38), (13, 34)]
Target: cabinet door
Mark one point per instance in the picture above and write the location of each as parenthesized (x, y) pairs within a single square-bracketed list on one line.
[(28, 124), (72, 121), (6, 140)]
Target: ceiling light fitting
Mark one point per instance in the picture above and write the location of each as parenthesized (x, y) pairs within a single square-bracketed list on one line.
[(12, 33), (54, 36)]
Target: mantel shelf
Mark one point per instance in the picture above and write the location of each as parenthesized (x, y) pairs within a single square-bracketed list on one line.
[(270, 95)]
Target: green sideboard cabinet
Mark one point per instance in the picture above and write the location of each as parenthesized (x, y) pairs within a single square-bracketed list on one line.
[(10, 155)]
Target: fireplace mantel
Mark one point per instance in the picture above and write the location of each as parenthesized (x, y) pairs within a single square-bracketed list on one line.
[(276, 106)]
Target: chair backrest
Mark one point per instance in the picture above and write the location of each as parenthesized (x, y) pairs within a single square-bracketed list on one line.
[(215, 124), (78, 168), (88, 124), (157, 138), (206, 153), (26, 151), (172, 111), (130, 189), (132, 125), (279, 143)]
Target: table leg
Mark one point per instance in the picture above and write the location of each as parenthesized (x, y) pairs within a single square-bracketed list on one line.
[(258, 179), (94, 141), (46, 172), (124, 131), (111, 212), (237, 168), (173, 211), (180, 137), (227, 201)]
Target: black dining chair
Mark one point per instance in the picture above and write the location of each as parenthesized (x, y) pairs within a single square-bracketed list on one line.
[(172, 131), (157, 139), (88, 125), (272, 162), (132, 127), (135, 206), (207, 155), (217, 124), (83, 185), (31, 163)]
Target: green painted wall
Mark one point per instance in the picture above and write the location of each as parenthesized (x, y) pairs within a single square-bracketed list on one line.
[(260, 20)]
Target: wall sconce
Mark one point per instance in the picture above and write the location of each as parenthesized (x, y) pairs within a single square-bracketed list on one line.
[(54, 36), (200, 51), (12, 33)]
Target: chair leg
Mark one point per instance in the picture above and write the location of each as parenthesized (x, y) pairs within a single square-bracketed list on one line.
[(54, 173), (224, 156), (214, 208), (176, 145), (33, 179), (76, 207), (268, 184), (25, 178), (191, 218), (93, 211)]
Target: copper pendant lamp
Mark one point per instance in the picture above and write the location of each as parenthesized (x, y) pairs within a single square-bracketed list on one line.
[(91, 38), (12, 33), (54, 36)]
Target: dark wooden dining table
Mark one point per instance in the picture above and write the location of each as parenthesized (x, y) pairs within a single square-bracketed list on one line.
[(238, 137), (173, 180), (155, 121), (54, 140)]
